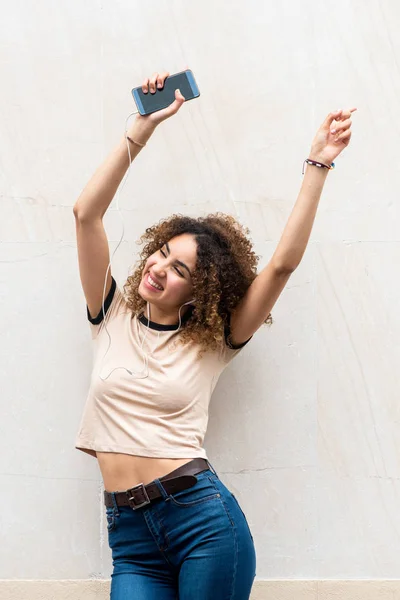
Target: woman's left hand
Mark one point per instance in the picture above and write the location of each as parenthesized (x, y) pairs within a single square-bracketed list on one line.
[(332, 137)]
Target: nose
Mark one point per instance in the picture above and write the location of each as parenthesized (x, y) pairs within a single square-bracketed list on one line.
[(159, 271)]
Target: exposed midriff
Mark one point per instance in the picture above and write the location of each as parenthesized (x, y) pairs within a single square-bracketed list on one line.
[(123, 471)]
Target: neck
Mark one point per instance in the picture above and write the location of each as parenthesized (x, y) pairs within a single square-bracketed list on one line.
[(156, 315)]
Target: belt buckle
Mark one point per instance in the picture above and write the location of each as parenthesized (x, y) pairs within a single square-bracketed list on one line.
[(131, 499)]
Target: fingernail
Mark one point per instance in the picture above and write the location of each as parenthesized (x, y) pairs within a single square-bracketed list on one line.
[(159, 85), (333, 130)]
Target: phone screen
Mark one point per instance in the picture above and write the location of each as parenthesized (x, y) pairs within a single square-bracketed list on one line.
[(148, 103)]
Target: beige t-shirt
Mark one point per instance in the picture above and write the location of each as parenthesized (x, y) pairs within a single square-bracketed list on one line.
[(164, 415)]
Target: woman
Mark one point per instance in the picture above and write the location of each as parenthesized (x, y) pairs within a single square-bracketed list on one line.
[(191, 305)]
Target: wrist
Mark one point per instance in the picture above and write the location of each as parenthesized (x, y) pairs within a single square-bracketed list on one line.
[(320, 157), (316, 167), (141, 131)]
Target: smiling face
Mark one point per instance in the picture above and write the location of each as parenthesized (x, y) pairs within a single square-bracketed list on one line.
[(170, 267)]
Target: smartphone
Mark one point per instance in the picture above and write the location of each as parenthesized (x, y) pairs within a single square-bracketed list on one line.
[(149, 103)]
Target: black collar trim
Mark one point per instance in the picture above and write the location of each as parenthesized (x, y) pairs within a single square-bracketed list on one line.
[(162, 327)]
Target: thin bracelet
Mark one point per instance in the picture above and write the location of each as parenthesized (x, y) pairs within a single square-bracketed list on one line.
[(317, 164), (133, 142)]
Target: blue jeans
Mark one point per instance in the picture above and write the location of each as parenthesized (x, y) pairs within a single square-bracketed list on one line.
[(192, 545)]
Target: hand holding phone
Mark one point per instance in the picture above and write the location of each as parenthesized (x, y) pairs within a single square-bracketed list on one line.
[(162, 95)]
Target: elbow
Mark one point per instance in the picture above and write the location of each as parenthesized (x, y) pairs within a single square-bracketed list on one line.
[(285, 268), (83, 216), (287, 262), (77, 212)]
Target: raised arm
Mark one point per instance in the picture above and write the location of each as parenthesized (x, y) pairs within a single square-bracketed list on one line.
[(332, 137), (93, 202)]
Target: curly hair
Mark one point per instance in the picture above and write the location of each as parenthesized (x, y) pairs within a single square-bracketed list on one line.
[(226, 265)]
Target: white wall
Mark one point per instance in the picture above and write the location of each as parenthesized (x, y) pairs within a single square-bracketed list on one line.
[(304, 425)]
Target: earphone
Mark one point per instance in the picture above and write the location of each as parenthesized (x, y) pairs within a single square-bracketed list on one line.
[(145, 356)]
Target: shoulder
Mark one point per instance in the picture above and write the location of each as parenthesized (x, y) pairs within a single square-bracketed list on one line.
[(107, 303), (114, 304), (228, 334)]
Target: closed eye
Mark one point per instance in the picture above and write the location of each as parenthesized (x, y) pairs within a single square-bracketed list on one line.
[(177, 270)]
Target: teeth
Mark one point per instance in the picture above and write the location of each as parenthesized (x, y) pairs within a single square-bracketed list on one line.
[(153, 283)]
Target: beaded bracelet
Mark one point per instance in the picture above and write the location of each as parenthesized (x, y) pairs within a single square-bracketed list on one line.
[(133, 142), (317, 164)]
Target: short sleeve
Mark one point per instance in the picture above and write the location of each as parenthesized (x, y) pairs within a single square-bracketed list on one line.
[(114, 304), (231, 350)]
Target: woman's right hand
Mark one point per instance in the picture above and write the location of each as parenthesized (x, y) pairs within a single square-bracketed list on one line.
[(149, 86)]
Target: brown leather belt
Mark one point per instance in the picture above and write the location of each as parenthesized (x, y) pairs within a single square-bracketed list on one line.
[(180, 479)]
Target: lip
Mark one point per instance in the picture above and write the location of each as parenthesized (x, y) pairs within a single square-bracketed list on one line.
[(150, 286)]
